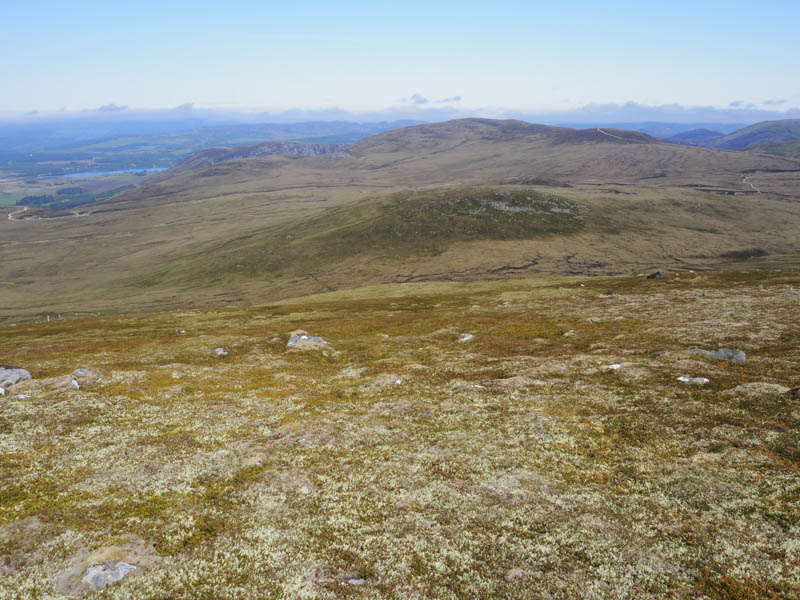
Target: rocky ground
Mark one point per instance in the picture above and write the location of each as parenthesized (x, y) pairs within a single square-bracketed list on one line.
[(519, 439)]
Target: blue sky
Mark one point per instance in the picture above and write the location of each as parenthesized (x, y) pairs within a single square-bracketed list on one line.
[(488, 57)]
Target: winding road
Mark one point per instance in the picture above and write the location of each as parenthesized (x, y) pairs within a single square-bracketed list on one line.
[(16, 212), (744, 180)]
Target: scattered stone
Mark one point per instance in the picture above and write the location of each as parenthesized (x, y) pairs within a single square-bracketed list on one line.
[(219, 352), (2, 391), (385, 336), (609, 294), (12, 375), (354, 580), (300, 341), (99, 576), (656, 275), (90, 571), (570, 333), (73, 385), (385, 381), (85, 377), (794, 393), (613, 367), (729, 354), (657, 353), (180, 331), (593, 320), (693, 380), (466, 337)]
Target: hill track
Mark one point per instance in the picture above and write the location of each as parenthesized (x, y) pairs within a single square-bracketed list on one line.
[(617, 137)]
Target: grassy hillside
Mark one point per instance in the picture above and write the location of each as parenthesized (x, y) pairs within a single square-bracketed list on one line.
[(789, 149), (760, 134), (696, 137), (415, 204), (554, 454)]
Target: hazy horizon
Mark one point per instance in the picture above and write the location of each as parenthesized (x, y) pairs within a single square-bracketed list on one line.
[(619, 61)]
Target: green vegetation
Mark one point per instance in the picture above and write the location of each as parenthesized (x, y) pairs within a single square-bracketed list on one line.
[(766, 132), (514, 465), (71, 191), (789, 149), (425, 203), (67, 198), (8, 199)]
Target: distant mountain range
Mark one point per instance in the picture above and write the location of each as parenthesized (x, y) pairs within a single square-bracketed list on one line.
[(771, 137)]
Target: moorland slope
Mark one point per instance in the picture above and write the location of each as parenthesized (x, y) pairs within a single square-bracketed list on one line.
[(461, 200)]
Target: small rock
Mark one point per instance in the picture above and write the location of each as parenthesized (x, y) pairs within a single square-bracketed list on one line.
[(693, 380), (593, 320), (609, 294), (793, 393), (180, 331), (729, 354), (99, 576), (12, 375), (2, 391), (613, 367), (299, 340), (355, 581), (570, 333), (219, 352), (466, 337), (385, 381), (656, 275), (73, 385), (85, 377)]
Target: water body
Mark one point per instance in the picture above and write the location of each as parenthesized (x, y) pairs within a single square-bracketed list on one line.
[(86, 174)]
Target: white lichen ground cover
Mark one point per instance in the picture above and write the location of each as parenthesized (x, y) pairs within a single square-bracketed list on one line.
[(402, 463)]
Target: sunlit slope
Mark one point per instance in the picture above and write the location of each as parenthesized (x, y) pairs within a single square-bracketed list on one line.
[(264, 228)]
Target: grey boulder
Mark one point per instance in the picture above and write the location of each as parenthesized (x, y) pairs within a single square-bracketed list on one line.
[(99, 576), (86, 376), (299, 340), (12, 375), (729, 354)]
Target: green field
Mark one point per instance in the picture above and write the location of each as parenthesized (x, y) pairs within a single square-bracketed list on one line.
[(8, 199)]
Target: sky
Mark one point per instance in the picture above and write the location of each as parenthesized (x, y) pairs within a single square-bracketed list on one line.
[(467, 57)]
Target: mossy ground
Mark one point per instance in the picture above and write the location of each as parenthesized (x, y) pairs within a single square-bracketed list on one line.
[(510, 466)]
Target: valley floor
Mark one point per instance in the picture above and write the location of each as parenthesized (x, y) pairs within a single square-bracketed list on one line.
[(554, 454)]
